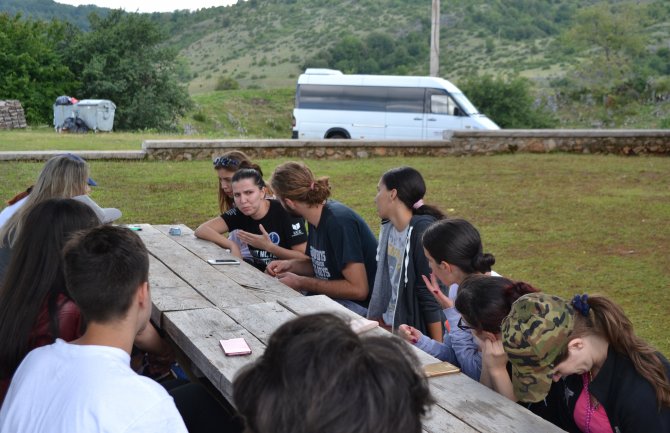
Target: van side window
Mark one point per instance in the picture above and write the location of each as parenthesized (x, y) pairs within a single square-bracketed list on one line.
[(439, 104)]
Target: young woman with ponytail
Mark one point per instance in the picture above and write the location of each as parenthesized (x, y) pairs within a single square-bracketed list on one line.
[(606, 378), (262, 224), (454, 251), (399, 294)]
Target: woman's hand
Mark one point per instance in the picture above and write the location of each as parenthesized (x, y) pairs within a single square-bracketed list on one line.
[(409, 333), (494, 358), (261, 241), (434, 288)]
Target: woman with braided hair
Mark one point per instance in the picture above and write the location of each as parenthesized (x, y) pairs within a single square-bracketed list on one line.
[(606, 378)]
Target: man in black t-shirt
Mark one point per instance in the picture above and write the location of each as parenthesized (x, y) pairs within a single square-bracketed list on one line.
[(340, 245)]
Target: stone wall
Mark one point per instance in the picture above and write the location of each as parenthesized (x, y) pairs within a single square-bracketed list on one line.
[(457, 143), (11, 115)]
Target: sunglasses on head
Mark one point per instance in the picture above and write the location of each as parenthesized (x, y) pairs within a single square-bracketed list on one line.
[(224, 161)]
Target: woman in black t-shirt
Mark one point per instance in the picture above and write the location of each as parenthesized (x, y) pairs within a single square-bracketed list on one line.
[(270, 232)]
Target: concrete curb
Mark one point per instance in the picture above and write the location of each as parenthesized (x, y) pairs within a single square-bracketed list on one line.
[(43, 155)]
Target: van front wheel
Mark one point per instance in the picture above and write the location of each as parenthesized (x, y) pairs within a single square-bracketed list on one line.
[(337, 136)]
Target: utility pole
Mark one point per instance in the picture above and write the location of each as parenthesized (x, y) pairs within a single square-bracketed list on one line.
[(435, 40)]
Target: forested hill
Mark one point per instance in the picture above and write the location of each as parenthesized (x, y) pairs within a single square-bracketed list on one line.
[(612, 56), (49, 9)]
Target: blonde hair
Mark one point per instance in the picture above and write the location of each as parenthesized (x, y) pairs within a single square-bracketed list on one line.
[(295, 181), (63, 176), (225, 202)]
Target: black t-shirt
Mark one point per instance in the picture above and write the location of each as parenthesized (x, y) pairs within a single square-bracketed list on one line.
[(342, 237), (284, 230)]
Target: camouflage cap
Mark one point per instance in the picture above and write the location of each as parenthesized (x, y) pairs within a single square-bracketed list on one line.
[(535, 332)]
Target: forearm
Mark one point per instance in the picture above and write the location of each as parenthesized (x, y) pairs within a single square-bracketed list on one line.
[(288, 254), (209, 234), (435, 331), (500, 382), (339, 289)]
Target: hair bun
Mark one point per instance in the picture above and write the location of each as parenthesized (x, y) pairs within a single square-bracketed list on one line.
[(483, 262)]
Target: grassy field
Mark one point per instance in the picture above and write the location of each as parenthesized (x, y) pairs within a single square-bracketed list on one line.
[(566, 223)]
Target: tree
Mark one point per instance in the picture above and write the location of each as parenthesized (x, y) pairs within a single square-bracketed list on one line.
[(507, 101), (611, 39), (124, 58), (30, 68)]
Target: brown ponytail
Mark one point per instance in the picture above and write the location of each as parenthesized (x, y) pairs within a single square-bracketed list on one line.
[(295, 181), (607, 320)]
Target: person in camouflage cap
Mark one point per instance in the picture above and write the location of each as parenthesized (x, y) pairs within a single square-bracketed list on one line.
[(535, 334), (605, 378)]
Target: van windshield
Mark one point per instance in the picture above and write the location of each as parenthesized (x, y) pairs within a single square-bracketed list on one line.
[(464, 103)]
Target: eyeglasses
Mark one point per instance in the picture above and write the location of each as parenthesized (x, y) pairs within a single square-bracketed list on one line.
[(224, 161), (462, 326)]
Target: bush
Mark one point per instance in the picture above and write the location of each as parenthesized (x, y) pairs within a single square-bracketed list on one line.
[(227, 83), (508, 102)]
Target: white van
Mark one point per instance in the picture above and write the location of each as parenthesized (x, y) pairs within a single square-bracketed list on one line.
[(329, 104)]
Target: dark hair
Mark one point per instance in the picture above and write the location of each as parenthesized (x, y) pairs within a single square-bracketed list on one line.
[(34, 276), (317, 375), (484, 301), (457, 242), (250, 173), (295, 181), (411, 189), (103, 268)]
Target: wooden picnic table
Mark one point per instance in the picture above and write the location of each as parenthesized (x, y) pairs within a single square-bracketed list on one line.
[(197, 304)]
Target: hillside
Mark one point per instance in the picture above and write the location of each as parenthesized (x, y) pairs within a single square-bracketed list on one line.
[(266, 44), (49, 9)]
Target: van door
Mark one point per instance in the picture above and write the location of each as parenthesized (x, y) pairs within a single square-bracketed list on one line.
[(404, 113), (442, 114)]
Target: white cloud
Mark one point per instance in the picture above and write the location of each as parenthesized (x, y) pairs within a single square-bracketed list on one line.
[(151, 5)]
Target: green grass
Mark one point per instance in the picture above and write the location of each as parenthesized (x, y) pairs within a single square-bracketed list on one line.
[(566, 223)]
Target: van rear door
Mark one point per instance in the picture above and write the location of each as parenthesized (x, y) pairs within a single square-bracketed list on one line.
[(442, 114)]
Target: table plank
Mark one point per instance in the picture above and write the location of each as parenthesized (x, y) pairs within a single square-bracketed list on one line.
[(217, 288), (263, 285), (260, 319), (197, 333), (170, 293)]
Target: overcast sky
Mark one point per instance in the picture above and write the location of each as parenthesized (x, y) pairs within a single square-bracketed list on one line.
[(151, 5)]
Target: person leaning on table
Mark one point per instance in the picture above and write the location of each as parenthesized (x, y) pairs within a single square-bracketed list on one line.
[(340, 245), (606, 378)]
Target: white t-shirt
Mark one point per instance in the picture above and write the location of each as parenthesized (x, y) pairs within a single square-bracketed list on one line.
[(10, 210), (72, 388)]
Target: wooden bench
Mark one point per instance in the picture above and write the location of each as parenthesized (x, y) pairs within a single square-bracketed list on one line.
[(198, 304)]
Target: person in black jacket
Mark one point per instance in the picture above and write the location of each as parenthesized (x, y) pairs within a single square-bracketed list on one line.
[(606, 379), (399, 294)]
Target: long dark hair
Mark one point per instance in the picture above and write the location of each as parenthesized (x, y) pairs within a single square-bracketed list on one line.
[(35, 275), (484, 301), (457, 242), (411, 189)]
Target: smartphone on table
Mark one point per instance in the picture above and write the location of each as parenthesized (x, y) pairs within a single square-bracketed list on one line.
[(223, 262)]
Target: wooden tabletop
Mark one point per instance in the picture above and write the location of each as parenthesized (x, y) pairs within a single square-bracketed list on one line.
[(198, 304)]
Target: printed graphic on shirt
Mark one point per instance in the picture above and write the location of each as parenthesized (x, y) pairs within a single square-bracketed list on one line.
[(319, 263)]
